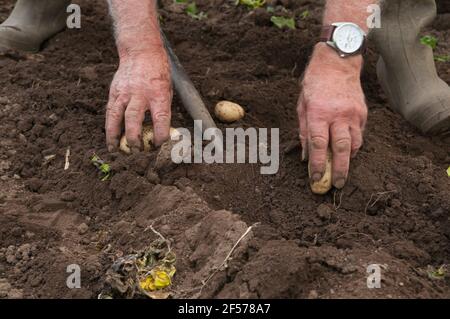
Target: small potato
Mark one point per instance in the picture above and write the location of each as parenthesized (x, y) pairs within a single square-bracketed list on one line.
[(325, 184), (147, 139), (229, 112)]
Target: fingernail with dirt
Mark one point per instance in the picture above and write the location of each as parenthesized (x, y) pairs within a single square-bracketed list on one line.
[(161, 138), (135, 150), (316, 177), (111, 148), (339, 183), (158, 142)]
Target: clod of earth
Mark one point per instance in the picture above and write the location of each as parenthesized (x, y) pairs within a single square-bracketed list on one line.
[(229, 112), (147, 139), (325, 184)]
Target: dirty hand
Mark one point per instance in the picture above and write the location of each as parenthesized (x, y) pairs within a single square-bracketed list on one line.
[(332, 111), (142, 83)]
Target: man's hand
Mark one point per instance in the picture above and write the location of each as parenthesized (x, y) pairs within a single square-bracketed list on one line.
[(332, 112), (141, 84)]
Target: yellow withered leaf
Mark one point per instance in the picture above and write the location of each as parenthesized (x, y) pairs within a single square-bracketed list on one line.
[(157, 279)]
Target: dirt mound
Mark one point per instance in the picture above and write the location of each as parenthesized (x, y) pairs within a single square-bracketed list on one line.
[(395, 210)]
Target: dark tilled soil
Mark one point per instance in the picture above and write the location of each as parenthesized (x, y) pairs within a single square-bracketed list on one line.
[(395, 210)]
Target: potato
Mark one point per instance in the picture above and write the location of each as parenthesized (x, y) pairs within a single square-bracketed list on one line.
[(147, 139), (229, 112), (325, 184)]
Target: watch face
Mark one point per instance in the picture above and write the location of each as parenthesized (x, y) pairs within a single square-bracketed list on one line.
[(348, 38)]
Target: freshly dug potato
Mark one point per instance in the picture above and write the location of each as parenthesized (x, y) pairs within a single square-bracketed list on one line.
[(325, 184), (229, 112), (147, 139)]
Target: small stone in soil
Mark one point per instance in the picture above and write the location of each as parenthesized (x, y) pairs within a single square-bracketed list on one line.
[(15, 294), (83, 228), (5, 288), (313, 294), (68, 196), (324, 211), (11, 259), (152, 177)]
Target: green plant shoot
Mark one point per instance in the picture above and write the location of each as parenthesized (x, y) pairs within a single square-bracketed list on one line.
[(282, 22), (102, 166), (252, 4), (430, 41)]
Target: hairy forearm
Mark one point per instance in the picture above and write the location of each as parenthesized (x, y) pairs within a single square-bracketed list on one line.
[(348, 11), (136, 26)]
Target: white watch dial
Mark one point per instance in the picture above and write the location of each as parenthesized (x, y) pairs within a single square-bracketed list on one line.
[(348, 38)]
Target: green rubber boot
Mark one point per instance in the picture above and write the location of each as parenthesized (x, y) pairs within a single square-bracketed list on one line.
[(31, 23), (406, 68)]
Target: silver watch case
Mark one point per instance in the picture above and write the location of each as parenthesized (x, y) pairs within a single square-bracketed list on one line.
[(332, 43)]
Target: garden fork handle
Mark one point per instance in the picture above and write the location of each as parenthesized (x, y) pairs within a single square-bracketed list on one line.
[(192, 101)]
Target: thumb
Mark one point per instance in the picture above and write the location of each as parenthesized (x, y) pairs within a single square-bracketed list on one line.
[(301, 110)]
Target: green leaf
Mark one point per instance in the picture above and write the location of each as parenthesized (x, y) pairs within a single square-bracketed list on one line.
[(442, 58), (252, 4), (282, 22), (103, 167), (448, 171), (437, 273), (305, 14), (193, 12), (430, 41)]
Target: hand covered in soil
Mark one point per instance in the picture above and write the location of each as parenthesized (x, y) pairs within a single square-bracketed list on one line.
[(142, 83), (332, 112)]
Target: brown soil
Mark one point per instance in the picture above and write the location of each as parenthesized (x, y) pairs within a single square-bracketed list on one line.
[(395, 210)]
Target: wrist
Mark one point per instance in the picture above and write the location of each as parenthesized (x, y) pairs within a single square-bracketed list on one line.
[(140, 48), (326, 56)]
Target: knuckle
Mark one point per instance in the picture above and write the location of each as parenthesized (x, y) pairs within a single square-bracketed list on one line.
[(110, 127), (319, 142), (113, 113), (348, 111), (342, 145), (162, 85), (161, 116), (131, 114)]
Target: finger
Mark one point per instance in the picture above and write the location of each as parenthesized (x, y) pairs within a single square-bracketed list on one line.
[(357, 140), (303, 127), (363, 116), (114, 118), (341, 147), (134, 116), (318, 138), (161, 114)]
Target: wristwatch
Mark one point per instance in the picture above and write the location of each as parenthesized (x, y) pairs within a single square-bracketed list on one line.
[(346, 38)]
